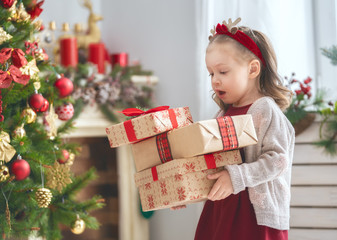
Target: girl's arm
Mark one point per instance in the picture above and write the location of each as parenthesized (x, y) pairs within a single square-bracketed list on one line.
[(272, 156)]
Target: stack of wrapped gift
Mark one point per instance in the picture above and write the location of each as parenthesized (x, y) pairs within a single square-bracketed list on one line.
[(172, 162)]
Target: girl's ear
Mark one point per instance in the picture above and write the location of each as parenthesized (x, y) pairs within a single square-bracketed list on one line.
[(254, 68)]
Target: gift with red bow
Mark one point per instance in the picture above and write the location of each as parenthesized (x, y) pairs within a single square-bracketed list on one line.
[(146, 124)]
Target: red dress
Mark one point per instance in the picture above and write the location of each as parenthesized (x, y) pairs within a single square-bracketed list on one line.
[(233, 218)]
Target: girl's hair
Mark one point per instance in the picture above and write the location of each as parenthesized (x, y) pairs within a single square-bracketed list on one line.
[(270, 83)]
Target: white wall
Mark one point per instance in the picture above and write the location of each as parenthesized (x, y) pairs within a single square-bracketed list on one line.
[(162, 36)]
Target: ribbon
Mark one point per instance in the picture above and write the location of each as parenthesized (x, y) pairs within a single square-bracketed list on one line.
[(18, 56), (163, 147), (228, 133), (12, 74), (6, 150), (210, 161), (133, 112), (154, 173), (128, 126), (130, 131)]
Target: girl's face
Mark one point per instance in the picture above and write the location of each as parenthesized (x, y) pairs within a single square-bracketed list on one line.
[(232, 78)]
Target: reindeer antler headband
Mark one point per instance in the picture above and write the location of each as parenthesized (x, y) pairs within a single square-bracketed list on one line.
[(232, 31)]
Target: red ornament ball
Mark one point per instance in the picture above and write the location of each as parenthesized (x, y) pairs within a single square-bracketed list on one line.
[(21, 169), (44, 107), (65, 86), (65, 112), (65, 157), (36, 101)]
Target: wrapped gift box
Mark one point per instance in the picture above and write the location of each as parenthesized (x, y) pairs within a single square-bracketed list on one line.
[(148, 125), (199, 138), (181, 181)]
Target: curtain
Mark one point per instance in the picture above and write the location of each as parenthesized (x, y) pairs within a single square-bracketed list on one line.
[(289, 25)]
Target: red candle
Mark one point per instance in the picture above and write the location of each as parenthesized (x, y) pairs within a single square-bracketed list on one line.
[(97, 55), (69, 52), (120, 58)]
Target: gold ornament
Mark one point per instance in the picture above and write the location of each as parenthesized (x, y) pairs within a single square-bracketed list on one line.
[(18, 14), (4, 173), (19, 131), (78, 226), (29, 114), (43, 197), (30, 69), (6, 150), (58, 176), (4, 36), (52, 116), (39, 55), (37, 85), (38, 24), (70, 159)]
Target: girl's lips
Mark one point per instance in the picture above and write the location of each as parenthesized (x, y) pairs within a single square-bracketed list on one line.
[(221, 93)]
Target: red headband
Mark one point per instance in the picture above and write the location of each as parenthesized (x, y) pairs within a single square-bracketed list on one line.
[(239, 36)]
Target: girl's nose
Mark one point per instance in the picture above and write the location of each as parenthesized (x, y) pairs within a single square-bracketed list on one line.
[(215, 81)]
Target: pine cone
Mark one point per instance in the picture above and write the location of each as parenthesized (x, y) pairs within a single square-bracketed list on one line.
[(43, 197)]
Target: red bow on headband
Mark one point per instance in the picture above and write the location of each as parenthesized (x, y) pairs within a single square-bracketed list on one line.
[(12, 74), (230, 30), (132, 112), (18, 56)]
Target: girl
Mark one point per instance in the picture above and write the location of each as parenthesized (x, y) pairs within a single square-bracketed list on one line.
[(250, 200)]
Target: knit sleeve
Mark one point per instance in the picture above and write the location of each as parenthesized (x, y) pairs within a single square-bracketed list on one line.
[(269, 158)]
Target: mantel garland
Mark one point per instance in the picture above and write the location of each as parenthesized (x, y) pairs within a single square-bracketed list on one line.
[(111, 92)]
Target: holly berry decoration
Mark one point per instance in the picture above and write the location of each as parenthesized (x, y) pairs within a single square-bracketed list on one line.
[(7, 3), (36, 101), (65, 111), (65, 157), (20, 169), (65, 86)]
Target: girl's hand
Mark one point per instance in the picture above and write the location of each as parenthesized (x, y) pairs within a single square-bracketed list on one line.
[(178, 207), (222, 188)]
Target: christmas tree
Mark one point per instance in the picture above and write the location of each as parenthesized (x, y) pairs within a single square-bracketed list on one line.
[(38, 190)]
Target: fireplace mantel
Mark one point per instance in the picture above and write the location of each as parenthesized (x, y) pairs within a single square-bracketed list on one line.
[(92, 123)]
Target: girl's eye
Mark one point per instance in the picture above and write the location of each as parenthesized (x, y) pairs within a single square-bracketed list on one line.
[(223, 72), (211, 74)]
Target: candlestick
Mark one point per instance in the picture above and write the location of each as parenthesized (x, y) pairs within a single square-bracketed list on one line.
[(97, 55), (69, 52), (119, 58)]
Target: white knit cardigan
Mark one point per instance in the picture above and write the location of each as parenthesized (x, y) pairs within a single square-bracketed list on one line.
[(267, 168)]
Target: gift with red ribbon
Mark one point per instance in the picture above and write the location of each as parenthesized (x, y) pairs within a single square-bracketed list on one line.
[(181, 181), (147, 124), (221, 134)]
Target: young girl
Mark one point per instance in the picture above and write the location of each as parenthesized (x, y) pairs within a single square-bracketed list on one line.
[(250, 200)]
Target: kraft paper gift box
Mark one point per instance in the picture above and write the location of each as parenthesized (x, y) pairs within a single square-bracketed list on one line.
[(149, 124), (221, 134), (181, 181)]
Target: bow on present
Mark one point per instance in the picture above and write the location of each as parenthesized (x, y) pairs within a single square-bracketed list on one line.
[(6, 150), (133, 112), (18, 56), (12, 74)]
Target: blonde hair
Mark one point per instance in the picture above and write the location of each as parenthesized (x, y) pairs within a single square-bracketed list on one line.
[(270, 83)]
